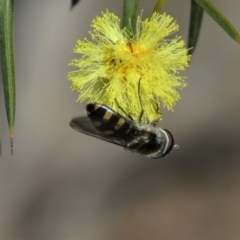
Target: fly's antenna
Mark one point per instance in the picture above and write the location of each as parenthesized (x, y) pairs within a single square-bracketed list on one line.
[(176, 147), (142, 111)]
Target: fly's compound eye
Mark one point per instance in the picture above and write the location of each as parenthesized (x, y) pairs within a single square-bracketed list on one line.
[(170, 145)]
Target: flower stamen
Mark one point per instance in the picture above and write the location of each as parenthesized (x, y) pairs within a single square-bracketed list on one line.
[(136, 76)]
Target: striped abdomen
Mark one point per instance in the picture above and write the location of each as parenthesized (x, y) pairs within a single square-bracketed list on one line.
[(109, 122)]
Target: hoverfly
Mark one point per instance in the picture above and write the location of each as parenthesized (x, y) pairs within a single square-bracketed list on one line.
[(104, 123)]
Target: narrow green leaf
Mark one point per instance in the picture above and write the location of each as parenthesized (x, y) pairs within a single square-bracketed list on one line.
[(130, 10), (0, 138), (74, 3), (219, 18), (7, 62), (194, 26), (158, 6)]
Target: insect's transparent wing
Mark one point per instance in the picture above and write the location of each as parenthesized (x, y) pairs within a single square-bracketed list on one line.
[(85, 126)]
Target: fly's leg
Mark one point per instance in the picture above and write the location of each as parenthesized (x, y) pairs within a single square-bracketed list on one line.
[(155, 121), (129, 116)]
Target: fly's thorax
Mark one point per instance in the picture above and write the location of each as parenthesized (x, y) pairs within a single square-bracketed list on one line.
[(148, 140), (145, 127)]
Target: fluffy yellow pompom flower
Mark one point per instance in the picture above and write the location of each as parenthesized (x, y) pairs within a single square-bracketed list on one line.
[(134, 74)]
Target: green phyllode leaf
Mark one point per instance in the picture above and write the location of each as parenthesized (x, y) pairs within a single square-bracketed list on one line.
[(194, 26), (219, 18), (7, 62), (130, 10)]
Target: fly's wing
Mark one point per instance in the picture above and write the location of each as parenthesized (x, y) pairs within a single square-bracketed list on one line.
[(85, 126)]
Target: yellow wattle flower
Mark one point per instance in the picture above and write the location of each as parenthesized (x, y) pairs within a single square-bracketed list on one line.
[(131, 74)]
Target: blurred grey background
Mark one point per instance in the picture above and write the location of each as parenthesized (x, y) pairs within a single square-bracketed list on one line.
[(63, 185)]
